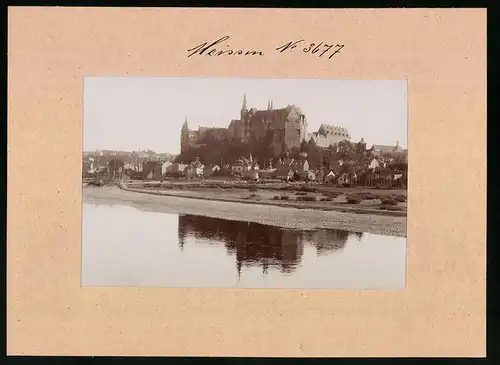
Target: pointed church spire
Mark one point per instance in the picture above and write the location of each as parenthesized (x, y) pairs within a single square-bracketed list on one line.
[(244, 107), (185, 125), (271, 104)]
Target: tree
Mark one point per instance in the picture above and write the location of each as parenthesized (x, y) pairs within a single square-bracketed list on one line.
[(399, 166), (295, 151), (364, 177), (114, 166), (115, 163), (325, 159), (360, 148), (399, 163), (348, 167), (311, 145), (345, 150)]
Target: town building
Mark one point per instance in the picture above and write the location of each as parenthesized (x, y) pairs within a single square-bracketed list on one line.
[(164, 167), (267, 173), (344, 179), (330, 177), (308, 175), (319, 176), (251, 174), (133, 167), (328, 135), (209, 170), (244, 165), (379, 150), (284, 173), (88, 166), (374, 164), (195, 169), (176, 168)]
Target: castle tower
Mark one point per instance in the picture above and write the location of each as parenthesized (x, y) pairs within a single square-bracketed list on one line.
[(184, 136)]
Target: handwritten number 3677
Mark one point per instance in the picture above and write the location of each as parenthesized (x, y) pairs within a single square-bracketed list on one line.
[(313, 48)]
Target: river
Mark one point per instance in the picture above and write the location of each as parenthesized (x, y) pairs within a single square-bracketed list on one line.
[(126, 246)]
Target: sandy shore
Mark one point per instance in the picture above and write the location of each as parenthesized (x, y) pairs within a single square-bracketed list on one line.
[(267, 197), (258, 213)]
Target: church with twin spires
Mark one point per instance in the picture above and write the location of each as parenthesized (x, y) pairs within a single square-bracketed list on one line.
[(282, 129)]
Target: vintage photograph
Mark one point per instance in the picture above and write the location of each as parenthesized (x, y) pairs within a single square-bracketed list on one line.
[(244, 183)]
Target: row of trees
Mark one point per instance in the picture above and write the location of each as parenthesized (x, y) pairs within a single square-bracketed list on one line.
[(228, 151)]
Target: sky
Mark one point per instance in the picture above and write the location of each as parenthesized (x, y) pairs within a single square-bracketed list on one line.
[(141, 113)]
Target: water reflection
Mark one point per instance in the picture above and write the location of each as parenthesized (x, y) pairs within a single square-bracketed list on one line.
[(127, 245), (258, 245)]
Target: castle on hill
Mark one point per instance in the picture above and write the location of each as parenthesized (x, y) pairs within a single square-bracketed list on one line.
[(281, 129)]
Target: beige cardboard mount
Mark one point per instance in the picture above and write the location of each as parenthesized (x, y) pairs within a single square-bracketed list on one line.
[(442, 54)]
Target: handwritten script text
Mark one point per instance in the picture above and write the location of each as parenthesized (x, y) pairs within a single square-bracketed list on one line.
[(212, 50), (221, 47)]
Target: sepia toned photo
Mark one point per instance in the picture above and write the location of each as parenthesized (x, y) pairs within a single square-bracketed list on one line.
[(244, 183)]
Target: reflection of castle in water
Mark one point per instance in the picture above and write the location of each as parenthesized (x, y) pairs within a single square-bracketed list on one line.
[(255, 244)]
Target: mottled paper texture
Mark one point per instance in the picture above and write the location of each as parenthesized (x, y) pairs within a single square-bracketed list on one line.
[(442, 54)]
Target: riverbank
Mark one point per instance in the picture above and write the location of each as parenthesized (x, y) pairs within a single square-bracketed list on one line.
[(283, 195), (270, 214)]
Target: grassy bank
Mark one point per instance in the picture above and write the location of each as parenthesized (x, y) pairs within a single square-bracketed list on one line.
[(300, 196)]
